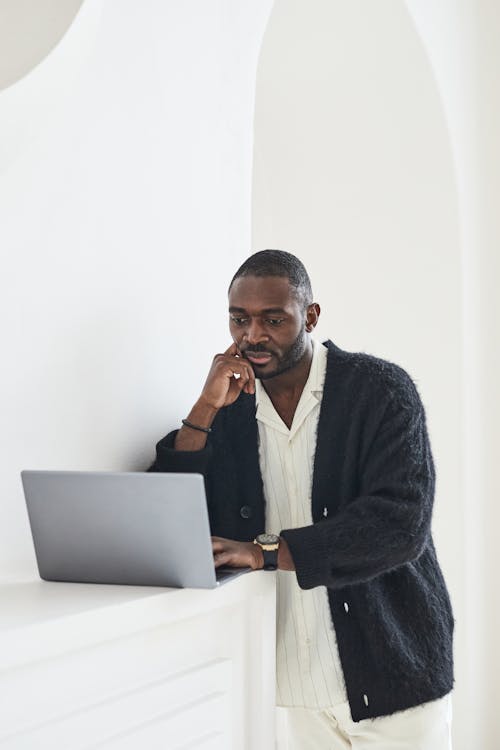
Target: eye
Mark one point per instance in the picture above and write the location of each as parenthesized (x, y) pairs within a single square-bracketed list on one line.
[(238, 321), (275, 321)]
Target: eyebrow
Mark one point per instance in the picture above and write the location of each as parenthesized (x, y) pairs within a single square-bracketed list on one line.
[(267, 311)]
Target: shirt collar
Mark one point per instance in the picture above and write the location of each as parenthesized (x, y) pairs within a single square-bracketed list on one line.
[(316, 380)]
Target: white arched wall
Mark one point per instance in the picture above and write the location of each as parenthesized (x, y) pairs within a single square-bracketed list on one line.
[(461, 40), (125, 196), (355, 172)]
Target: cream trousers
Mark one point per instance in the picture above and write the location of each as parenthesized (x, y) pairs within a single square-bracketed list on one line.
[(425, 727)]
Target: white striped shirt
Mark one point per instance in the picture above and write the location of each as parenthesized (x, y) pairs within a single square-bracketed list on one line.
[(308, 669)]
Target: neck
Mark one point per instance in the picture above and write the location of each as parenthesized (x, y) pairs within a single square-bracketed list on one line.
[(291, 383)]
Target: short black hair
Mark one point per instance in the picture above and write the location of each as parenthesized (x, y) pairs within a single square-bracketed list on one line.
[(279, 263)]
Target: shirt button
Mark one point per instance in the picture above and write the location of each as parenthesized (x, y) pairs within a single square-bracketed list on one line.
[(346, 606), (246, 511), (365, 698)]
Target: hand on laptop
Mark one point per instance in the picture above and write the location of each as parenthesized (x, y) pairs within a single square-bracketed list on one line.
[(236, 554), (231, 554)]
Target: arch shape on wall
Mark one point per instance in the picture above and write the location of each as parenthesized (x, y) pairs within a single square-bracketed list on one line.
[(44, 79)]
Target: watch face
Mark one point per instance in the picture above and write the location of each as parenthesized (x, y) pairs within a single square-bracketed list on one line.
[(268, 539)]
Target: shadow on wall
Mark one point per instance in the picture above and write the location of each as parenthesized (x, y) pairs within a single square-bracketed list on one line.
[(29, 31)]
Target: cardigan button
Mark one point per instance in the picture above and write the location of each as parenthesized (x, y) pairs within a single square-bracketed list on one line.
[(365, 698), (246, 511), (346, 606)]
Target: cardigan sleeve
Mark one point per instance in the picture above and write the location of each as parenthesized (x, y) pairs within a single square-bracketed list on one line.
[(170, 460), (388, 523)]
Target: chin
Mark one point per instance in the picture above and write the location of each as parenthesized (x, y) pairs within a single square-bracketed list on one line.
[(266, 375), (273, 373)]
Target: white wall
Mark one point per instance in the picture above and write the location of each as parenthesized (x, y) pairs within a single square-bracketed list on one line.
[(354, 172), (461, 40), (125, 174)]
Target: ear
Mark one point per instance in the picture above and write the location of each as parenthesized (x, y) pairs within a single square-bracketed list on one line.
[(312, 314)]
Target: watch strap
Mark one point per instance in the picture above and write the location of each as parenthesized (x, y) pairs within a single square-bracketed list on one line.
[(270, 559)]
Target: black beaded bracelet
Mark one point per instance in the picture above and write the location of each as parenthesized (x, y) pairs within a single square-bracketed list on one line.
[(196, 426)]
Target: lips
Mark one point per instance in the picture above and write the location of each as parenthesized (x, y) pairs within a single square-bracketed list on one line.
[(258, 358)]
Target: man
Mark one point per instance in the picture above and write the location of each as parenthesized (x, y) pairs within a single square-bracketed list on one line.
[(326, 451)]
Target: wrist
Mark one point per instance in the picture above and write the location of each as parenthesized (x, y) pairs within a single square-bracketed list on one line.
[(202, 413), (268, 545), (189, 439), (258, 556)]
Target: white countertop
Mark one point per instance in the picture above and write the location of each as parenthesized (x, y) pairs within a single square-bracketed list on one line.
[(39, 619)]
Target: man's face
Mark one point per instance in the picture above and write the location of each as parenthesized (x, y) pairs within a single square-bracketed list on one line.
[(267, 323)]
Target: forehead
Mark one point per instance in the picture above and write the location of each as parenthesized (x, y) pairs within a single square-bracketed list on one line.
[(253, 293)]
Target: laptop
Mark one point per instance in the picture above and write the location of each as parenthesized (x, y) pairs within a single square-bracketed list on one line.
[(135, 528)]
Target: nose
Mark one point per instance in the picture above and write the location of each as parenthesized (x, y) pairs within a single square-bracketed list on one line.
[(255, 333)]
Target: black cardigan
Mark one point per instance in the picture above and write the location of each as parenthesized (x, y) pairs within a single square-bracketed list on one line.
[(374, 474)]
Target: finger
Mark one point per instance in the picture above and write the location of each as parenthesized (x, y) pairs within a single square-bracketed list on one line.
[(241, 384), (247, 381), (247, 369), (217, 549), (233, 350), (239, 369), (250, 373), (249, 387), (250, 381), (222, 560)]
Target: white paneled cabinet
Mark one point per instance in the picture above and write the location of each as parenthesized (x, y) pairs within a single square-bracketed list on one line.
[(117, 667)]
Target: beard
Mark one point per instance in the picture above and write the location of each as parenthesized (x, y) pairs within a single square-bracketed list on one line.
[(290, 358)]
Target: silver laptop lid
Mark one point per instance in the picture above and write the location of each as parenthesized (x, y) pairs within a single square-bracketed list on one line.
[(143, 529)]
